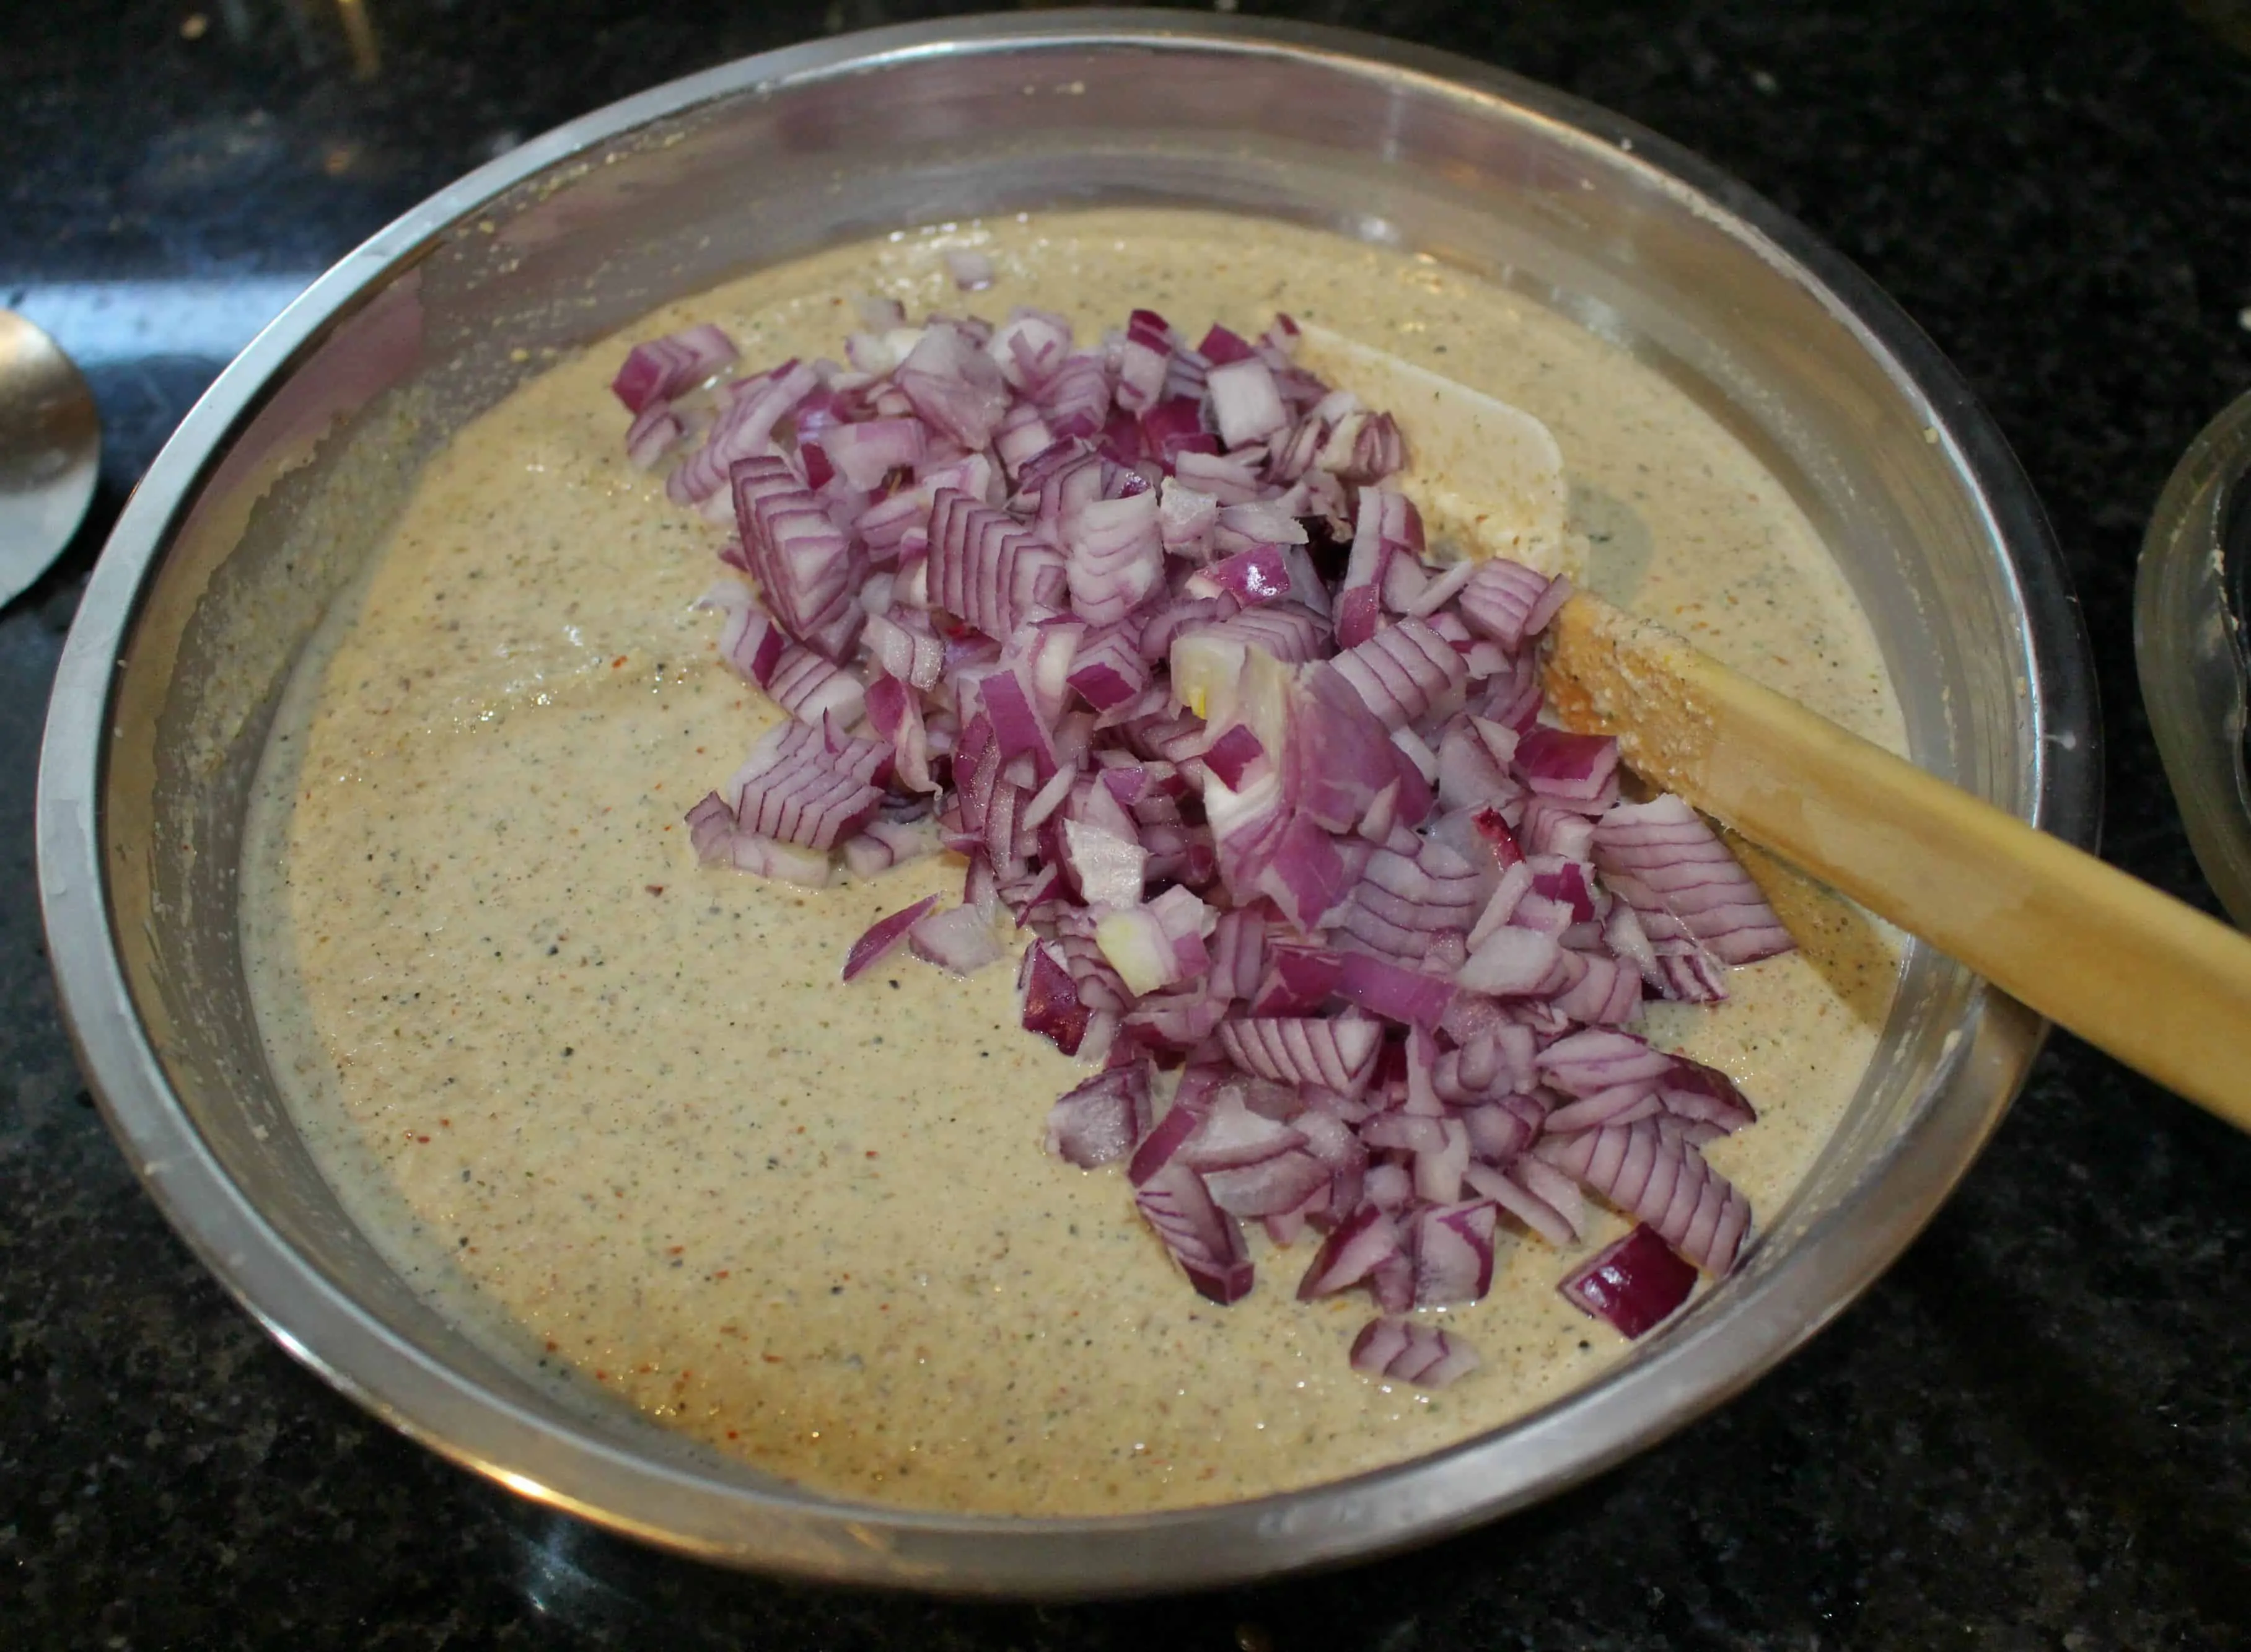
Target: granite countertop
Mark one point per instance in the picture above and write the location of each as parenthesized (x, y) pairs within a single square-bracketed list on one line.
[(2033, 1434)]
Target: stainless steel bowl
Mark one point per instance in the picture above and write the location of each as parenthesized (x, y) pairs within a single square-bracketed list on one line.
[(2191, 594), (278, 484)]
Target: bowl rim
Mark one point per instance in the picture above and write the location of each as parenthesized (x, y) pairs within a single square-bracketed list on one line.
[(675, 1506)]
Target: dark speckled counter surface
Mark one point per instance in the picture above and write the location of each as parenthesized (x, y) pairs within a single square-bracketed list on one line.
[(2035, 1434)]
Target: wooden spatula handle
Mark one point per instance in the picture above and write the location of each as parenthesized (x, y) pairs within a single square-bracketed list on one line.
[(2160, 986)]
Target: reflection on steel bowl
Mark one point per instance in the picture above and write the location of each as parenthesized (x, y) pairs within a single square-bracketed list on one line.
[(277, 488)]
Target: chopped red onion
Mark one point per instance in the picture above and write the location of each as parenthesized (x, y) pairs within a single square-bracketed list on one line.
[(1309, 837), (954, 384), (810, 689), (1116, 555), (1663, 847), (1335, 1053), (1652, 1169), (1108, 867), (661, 369), (1100, 1122), (1031, 347), (1405, 1350), (1363, 447), (960, 941), (808, 785), (654, 432), (1634, 1284), (1354, 1249), (883, 935), (1578, 769), (1259, 574), (1050, 999), (784, 862), (1452, 1248), (743, 429), (864, 454), (1393, 991), (1501, 598), (1245, 402)]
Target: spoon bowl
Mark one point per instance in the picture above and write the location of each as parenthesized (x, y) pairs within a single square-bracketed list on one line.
[(49, 453)]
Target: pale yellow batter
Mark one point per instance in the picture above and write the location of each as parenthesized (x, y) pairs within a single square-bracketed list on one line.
[(617, 1115)]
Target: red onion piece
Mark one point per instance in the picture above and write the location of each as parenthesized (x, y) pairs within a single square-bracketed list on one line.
[(1452, 1248), (1031, 347), (954, 384), (1286, 1182), (1587, 1063), (1502, 599), (710, 823), (885, 843), (1354, 1249), (810, 689), (1135, 945), (1172, 1199), (864, 454), (1107, 671), (1117, 556), (1636, 1284), (1259, 574), (1298, 979), (1404, 673), (1185, 519), (1143, 357), (1364, 447), (660, 369), (1665, 848), (654, 432), (1578, 769), (807, 785), (1077, 400), (1340, 756), (1519, 1201), (959, 941), (1337, 1054), (784, 862), (1230, 756), (1230, 1137), (1404, 1350), (1174, 420), (1098, 1123), (1108, 869), (1394, 991), (983, 564), (1202, 1239), (1288, 632), (1245, 403), (883, 935), (743, 429), (1220, 347), (1050, 999), (1651, 1169), (1515, 963), (750, 642)]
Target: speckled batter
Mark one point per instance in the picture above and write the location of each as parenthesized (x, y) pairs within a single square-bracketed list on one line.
[(617, 1115)]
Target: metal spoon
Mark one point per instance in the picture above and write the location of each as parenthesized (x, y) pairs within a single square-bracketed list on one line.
[(50, 451)]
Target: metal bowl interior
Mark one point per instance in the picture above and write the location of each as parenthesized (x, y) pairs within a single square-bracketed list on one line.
[(277, 487)]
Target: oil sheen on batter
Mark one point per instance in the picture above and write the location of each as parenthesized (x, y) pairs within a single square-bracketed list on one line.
[(617, 1116)]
